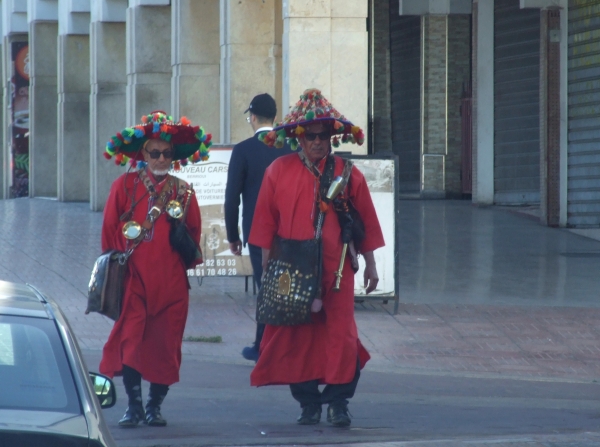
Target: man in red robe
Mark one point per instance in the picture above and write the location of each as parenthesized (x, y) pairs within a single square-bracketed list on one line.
[(327, 351), (146, 340)]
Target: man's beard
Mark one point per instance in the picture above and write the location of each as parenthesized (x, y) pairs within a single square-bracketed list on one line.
[(159, 172)]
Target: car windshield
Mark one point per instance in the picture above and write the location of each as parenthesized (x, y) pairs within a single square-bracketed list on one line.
[(34, 371)]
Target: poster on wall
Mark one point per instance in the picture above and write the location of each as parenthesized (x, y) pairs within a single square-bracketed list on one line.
[(209, 179), (19, 120)]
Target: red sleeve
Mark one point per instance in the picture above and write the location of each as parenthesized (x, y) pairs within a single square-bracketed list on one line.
[(361, 199), (112, 213), (266, 215)]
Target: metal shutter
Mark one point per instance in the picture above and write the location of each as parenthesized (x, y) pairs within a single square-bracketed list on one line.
[(405, 52), (583, 208), (516, 103)]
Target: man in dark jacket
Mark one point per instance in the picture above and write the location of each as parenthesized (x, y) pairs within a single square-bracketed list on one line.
[(247, 166)]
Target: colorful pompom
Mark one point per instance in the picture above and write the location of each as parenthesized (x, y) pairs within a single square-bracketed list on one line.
[(185, 121), (293, 144)]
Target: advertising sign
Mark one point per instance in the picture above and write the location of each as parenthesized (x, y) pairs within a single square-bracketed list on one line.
[(19, 116), (209, 179), (380, 174)]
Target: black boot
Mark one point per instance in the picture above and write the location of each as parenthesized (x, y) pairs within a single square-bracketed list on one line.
[(338, 414), (155, 399), (133, 386), (311, 415)]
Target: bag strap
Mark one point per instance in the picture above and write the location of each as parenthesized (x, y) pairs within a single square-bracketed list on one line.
[(156, 210)]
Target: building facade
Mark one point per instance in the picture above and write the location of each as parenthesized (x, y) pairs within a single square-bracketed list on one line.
[(496, 100), (76, 71)]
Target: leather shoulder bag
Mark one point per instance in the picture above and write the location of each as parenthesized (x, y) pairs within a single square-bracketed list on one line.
[(292, 279), (179, 236)]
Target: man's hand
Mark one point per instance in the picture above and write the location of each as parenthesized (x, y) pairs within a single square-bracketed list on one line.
[(236, 248), (370, 275), (316, 305)]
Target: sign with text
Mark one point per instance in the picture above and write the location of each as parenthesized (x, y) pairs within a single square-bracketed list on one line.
[(380, 174), (209, 179)]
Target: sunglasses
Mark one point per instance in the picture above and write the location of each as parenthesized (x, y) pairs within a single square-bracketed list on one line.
[(323, 136), (155, 155)]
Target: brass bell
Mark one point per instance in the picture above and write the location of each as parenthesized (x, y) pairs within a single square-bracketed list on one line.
[(174, 209), (132, 230)]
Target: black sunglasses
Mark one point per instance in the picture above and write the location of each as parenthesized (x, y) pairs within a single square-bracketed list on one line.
[(323, 136), (155, 155)]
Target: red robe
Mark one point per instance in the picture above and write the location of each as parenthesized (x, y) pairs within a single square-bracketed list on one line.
[(328, 348), (149, 333)]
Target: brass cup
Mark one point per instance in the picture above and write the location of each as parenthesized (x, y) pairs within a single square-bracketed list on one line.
[(174, 209), (132, 230)]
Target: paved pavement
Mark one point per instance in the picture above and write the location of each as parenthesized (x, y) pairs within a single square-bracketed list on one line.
[(496, 340)]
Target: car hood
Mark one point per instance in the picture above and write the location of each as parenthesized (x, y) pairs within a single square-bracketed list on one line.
[(43, 422)]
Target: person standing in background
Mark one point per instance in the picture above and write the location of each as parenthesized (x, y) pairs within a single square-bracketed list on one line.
[(247, 166)]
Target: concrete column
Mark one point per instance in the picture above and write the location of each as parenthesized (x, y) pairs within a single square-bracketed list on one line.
[(335, 33), (73, 101), (73, 118), (434, 112), (380, 77), (195, 59), (107, 103), (553, 109), (42, 109), (148, 61), (564, 112), (458, 76), (483, 102), (250, 60)]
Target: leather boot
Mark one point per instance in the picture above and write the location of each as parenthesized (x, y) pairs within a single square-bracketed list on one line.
[(155, 399), (338, 414), (311, 415), (135, 411)]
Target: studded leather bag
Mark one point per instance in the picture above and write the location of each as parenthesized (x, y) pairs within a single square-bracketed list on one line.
[(292, 281)]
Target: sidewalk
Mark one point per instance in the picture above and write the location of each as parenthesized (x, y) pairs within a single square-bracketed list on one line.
[(485, 297)]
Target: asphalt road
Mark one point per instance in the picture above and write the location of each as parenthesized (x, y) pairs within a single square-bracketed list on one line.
[(215, 405)]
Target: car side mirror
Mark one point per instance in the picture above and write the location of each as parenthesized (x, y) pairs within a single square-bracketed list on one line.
[(104, 389)]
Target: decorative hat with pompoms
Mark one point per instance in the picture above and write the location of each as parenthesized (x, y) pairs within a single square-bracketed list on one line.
[(191, 144), (312, 107)]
